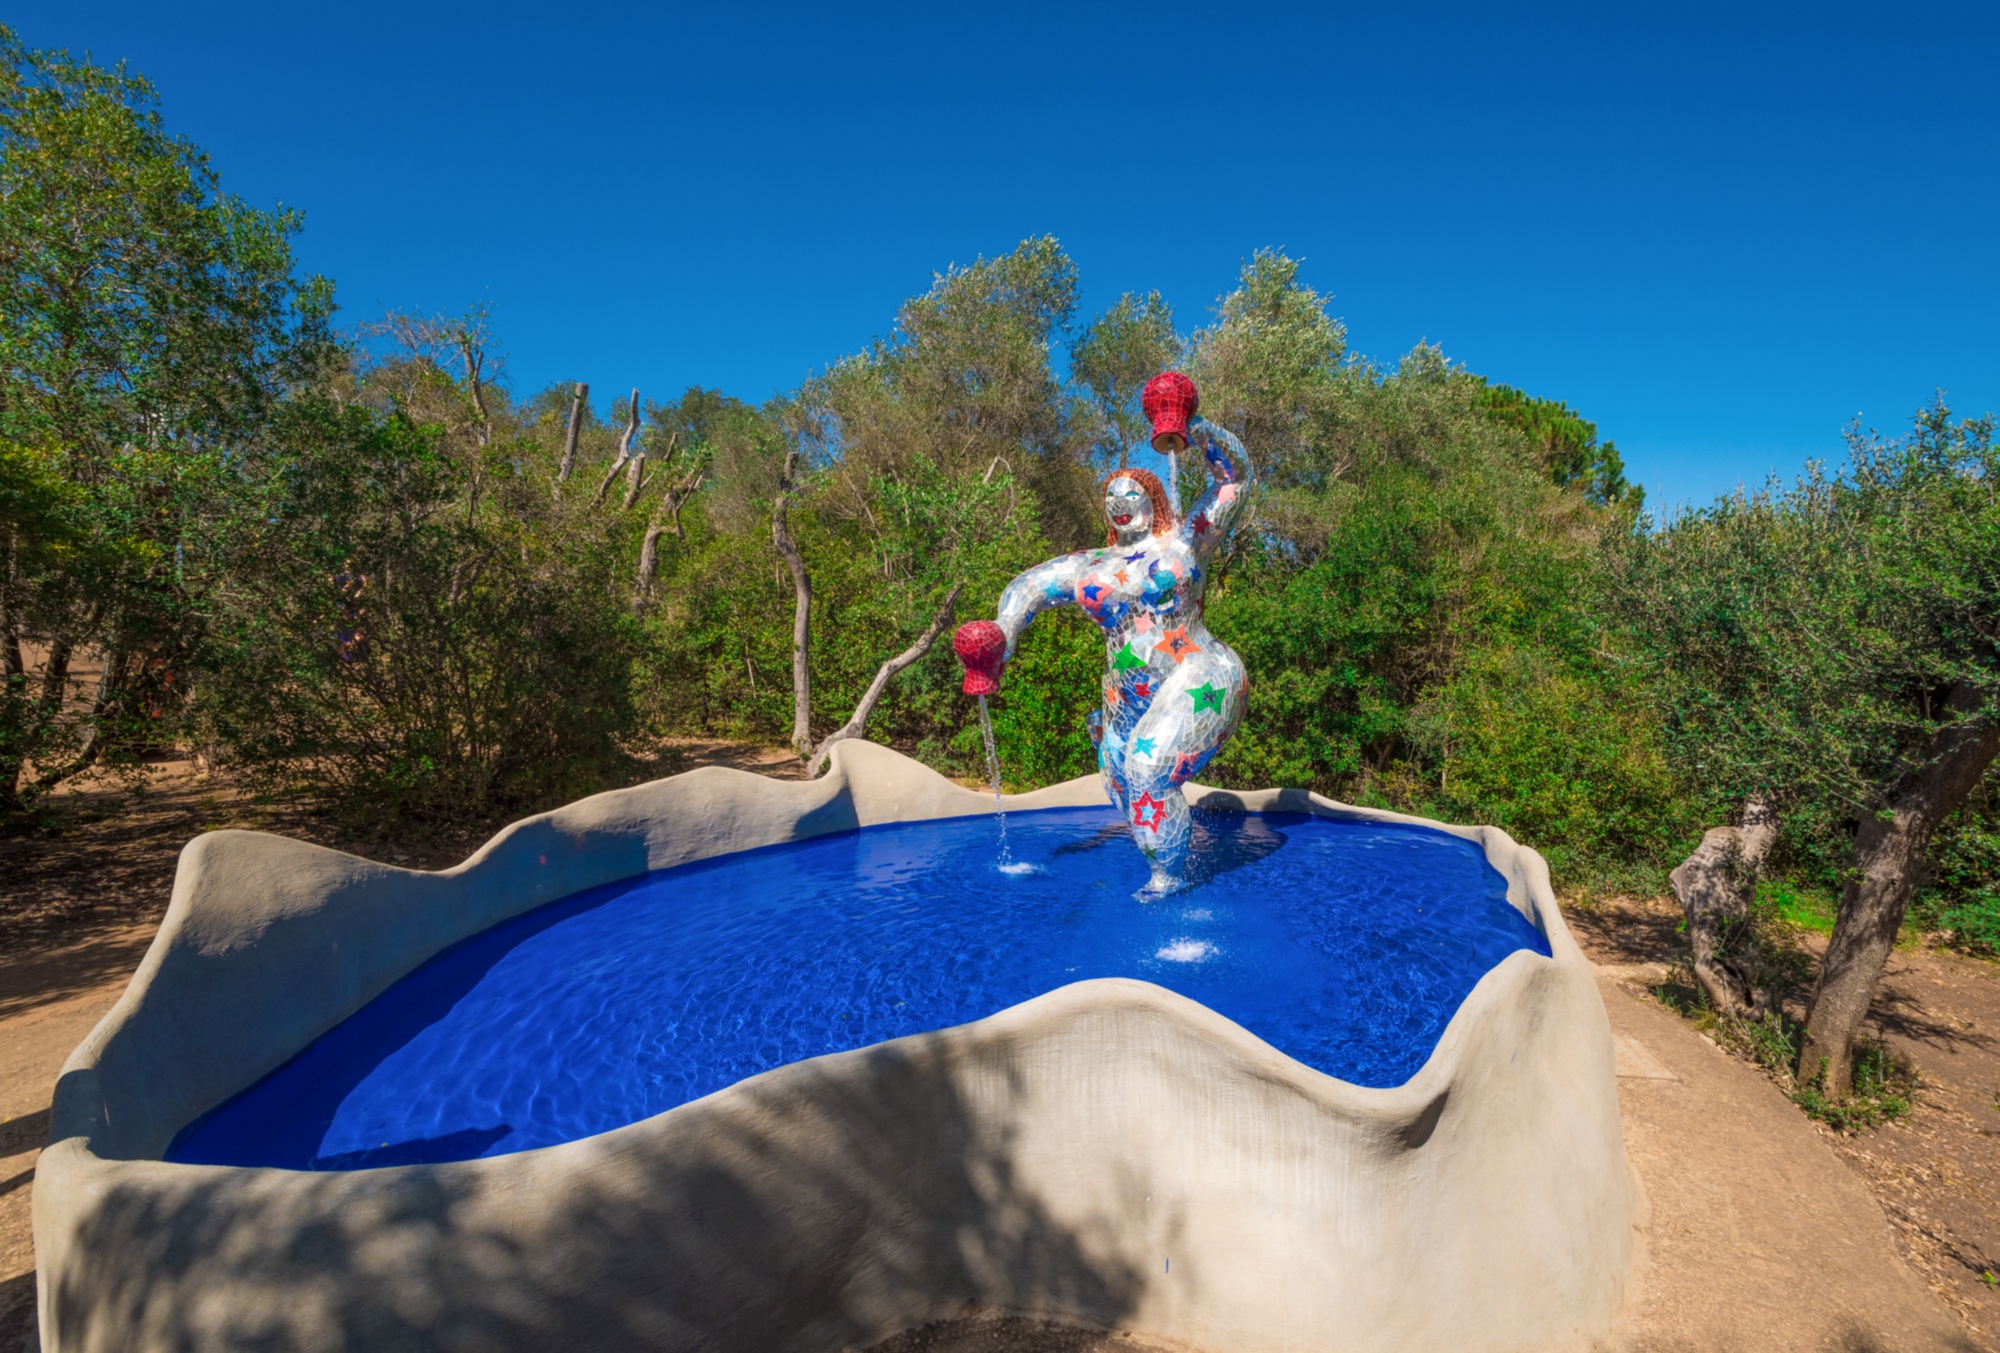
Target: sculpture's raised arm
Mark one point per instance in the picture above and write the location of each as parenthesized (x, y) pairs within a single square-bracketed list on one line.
[(1215, 513), (1040, 588)]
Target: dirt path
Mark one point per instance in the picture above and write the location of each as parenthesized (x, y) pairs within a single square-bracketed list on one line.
[(48, 1002), (1758, 1238), (1934, 1174)]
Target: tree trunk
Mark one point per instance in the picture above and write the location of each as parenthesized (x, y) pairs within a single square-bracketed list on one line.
[(649, 566), (869, 699), (568, 465), (1889, 851), (781, 537), (12, 666), (55, 675), (665, 517), (635, 480), (677, 499), (1716, 885), (110, 684), (624, 453)]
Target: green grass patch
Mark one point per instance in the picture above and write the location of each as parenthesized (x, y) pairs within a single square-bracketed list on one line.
[(1811, 909)]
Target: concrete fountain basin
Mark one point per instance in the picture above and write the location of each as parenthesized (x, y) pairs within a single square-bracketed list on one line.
[(1109, 1153)]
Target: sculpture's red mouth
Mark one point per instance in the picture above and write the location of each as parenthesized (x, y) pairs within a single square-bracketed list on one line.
[(1125, 520)]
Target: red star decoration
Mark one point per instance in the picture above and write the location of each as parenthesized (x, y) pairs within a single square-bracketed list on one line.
[(1145, 804), (1120, 576), (1144, 690), (1176, 644), (1200, 524)]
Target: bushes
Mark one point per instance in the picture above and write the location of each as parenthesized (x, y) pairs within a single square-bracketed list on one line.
[(416, 634), (1561, 756), (1962, 893)]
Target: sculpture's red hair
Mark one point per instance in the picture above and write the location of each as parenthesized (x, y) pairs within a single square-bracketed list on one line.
[(1163, 508)]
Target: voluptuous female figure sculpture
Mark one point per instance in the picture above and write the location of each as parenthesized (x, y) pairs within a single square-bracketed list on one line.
[(1173, 692)]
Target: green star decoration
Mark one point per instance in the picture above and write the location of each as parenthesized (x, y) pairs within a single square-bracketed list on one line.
[(1126, 660), (1208, 695)]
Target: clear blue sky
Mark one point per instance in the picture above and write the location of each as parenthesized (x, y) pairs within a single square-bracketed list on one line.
[(1721, 232)]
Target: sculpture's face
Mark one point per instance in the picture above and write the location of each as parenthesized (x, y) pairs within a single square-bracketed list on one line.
[(1129, 509)]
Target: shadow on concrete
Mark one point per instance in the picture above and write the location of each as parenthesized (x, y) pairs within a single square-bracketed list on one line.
[(1007, 1334), (802, 1214)]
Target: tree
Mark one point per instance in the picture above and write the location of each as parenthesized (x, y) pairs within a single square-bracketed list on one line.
[(1567, 446), (963, 385), (414, 631), (1117, 354), (1832, 647), (147, 323)]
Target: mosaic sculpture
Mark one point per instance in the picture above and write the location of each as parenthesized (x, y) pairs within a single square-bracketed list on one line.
[(1173, 692)]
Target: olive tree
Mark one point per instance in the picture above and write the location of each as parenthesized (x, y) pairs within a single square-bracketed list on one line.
[(1831, 648)]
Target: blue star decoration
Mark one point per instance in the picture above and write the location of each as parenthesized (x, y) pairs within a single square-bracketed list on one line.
[(1143, 746), (1135, 558)]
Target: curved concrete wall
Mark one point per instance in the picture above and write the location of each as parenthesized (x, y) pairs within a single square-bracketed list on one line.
[(1109, 1152)]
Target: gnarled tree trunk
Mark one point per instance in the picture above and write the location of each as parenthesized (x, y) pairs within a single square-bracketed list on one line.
[(781, 537), (1889, 850), (1716, 885)]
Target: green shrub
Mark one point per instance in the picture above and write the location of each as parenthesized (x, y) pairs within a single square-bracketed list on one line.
[(488, 665)]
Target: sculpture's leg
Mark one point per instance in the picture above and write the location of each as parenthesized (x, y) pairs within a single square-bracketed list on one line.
[(1195, 711), (1111, 748), (1161, 826)]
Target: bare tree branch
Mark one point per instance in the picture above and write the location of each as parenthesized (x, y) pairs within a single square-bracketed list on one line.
[(624, 455), (576, 400), (781, 538), (635, 480), (472, 351), (677, 498), (859, 721), (649, 567)]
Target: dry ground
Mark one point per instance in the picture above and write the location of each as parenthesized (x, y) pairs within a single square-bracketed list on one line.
[(1765, 1231), (1935, 1174)]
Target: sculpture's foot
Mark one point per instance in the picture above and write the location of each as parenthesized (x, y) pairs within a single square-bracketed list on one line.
[(1160, 885)]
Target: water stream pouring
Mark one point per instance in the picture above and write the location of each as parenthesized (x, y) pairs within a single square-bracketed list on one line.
[(993, 775), (982, 646)]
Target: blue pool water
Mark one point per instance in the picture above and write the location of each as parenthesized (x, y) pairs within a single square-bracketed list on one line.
[(1347, 945)]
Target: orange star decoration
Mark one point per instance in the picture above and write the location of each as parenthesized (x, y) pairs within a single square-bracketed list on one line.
[(1176, 645), (1145, 804)]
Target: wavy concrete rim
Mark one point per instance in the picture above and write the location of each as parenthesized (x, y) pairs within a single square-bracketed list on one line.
[(269, 942)]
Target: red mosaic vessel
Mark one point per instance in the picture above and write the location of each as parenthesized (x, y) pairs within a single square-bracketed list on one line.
[(1168, 401)]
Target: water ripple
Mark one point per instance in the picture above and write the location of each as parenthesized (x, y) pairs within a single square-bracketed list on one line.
[(1346, 945)]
